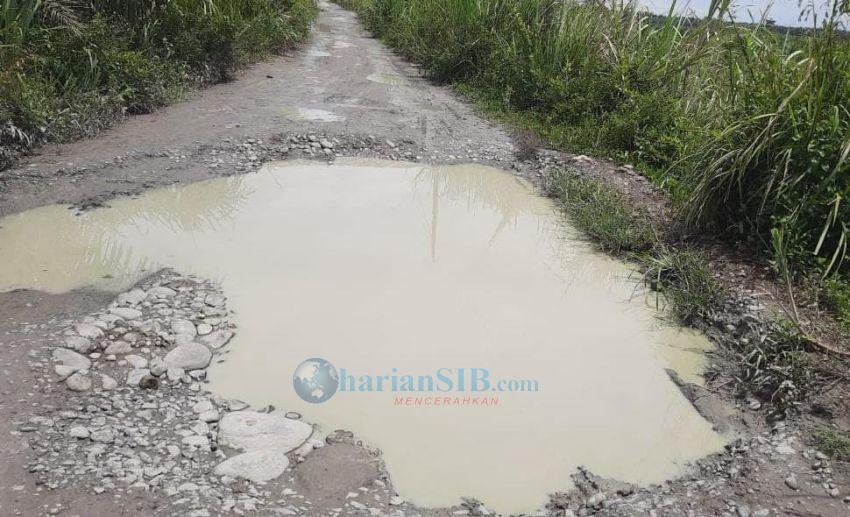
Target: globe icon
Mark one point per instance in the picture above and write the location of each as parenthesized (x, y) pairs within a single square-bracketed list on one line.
[(315, 380)]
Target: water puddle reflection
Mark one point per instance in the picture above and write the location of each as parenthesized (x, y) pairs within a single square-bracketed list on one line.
[(312, 114)]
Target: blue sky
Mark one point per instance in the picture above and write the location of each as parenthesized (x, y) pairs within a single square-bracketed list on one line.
[(785, 12)]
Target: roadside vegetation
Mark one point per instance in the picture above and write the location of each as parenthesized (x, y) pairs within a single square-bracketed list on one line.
[(746, 127), (833, 443), (72, 67)]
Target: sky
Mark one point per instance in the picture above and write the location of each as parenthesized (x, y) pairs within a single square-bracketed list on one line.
[(785, 12)]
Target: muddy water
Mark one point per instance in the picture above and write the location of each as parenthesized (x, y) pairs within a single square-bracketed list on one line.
[(376, 267)]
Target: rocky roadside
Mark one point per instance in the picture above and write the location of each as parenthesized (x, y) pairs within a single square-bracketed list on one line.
[(137, 419)]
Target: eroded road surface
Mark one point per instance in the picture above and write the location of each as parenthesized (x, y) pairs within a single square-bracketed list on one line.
[(344, 84), (108, 405)]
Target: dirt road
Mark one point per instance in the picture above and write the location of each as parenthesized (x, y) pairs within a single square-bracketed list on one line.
[(345, 83), (343, 95)]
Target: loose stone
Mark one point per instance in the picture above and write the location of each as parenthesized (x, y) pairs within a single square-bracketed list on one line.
[(78, 382), (250, 430), (79, 432), (257, 466), (217, 339), (72, 359), (118, 347), (135, 376), (136, 361), (88, 331), (189, 356), (126, 313), (78, 343), (183, 327)]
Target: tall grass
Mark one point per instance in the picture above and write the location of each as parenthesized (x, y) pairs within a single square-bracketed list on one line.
[(747, 127), (70, 67)]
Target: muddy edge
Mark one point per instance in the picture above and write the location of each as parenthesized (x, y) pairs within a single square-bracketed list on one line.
[(234, 128)]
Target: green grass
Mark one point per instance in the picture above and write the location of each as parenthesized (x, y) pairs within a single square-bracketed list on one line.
[(836, 292), (681, 275), (71, 68), (684, 277), (747, 128), (603, 214), (832, 442)]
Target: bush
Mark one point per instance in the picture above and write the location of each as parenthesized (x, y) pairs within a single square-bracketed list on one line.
[(71, 69)]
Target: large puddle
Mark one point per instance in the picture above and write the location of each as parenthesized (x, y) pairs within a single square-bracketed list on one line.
[(408, 270)]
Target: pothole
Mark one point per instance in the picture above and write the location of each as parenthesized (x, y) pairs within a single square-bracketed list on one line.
[(406, 272)]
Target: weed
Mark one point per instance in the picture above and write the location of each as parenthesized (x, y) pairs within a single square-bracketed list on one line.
[(836, 291), (603, 213), (832, 442), (683, 277)]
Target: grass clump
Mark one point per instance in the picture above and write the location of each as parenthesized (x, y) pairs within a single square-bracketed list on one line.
[(746, 126), (683, 276), (70, 68), (777, 367), (603, 213), (832, 442), (680, 274), (836, 292)]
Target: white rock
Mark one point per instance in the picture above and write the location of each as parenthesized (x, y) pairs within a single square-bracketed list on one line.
[(189, 356), (79, 431), (257, 466), (88, 331), (136, 361), (126, 313), (161, 292), (157, 366), (107, 382), (78, 382), (105, 435), (118, 347), (135, 376), (203, 405), (196, 441), (78, 343), (217, 339), (108, 320), (204, 329), (175, 374), (250, 431), (214, 300), (71, 358), (133, 297), (200, 428), (209, 416), (63, 371), (183, 327)]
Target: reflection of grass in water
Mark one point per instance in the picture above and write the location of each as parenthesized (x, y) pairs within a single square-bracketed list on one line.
[(478, 186), (482, 187), (198, 208)]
